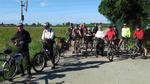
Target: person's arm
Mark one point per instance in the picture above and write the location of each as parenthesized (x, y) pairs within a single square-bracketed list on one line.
[(106, 36), (79, 33), (27, 38), (122, 32), (13, 39), (134, 35), (142, 34), (129, 33), (52, 35), (42, 36)]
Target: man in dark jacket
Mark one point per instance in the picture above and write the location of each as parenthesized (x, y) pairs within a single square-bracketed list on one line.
[(22, 39)]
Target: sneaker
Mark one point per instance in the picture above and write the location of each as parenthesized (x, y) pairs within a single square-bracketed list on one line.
[(53, 67), (29, 76), (144, 57), (22, 75), (73, 52)]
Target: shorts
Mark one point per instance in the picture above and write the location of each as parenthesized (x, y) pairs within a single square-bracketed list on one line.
[(125, 38), (140, 43), (74, 38)]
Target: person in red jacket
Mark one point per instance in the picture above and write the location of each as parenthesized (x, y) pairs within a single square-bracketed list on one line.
[(139, 36), (111, 34)]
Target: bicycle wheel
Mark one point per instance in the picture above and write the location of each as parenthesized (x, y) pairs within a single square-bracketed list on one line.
[(39, 62), (110, 54), (133, 53), (57, 55), (9, 69), (2, 60), (62, 52)]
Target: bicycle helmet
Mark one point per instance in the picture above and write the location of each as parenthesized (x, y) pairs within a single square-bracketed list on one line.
[(46, 25)]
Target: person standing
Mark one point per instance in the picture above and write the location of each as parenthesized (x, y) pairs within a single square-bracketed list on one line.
[(99, 41), (22, 39)]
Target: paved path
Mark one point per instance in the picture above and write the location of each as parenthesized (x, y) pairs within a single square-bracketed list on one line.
[(92, 70)]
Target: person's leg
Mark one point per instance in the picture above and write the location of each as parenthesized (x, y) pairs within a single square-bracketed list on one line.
[(74, 44), (102, 43), (145, 51), (120, 42), (145, 48), (27, 61), (22, 69), (21, 64), (52, 53)]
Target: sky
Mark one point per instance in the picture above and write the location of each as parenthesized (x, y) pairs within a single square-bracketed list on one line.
[(53, 11)]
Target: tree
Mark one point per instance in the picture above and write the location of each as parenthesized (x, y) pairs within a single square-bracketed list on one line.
[(132, 12)]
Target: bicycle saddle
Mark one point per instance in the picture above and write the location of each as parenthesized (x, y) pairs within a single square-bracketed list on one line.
[(7, 51)]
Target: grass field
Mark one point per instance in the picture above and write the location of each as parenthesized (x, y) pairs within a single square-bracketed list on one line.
[(6, 33)]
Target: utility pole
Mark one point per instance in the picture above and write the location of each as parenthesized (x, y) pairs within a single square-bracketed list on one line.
[(22, 15), (23, 4)]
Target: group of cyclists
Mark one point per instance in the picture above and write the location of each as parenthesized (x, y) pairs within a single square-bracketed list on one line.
[(77, 34), (86, 36)]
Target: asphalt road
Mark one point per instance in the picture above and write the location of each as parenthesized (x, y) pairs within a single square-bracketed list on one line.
[(91, 70)]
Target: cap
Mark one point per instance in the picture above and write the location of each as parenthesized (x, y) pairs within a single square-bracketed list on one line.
[(20, 25)]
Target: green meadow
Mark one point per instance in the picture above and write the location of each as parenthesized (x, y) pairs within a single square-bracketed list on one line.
[(6, 33)]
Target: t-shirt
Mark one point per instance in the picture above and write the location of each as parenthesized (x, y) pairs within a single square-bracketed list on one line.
[(110, 35), (48, 34), (126, 33), (100, 34), (139, 34)]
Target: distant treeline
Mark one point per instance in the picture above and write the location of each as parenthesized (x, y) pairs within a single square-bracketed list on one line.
[(58, 25)]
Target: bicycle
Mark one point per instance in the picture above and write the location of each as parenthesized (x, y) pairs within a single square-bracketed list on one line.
[(112, 51), (10, 67), (136, 51), (88, 43), (4, 56), (124, 48), (64, 46), (41, 58)]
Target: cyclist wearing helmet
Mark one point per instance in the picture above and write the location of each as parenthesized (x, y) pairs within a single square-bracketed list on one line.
[(125, 33), (76, 35), (139, 36), (83, 29), (48, 40), (111, 34)]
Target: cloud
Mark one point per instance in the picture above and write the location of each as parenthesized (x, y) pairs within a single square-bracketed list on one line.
[(44, 3)]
